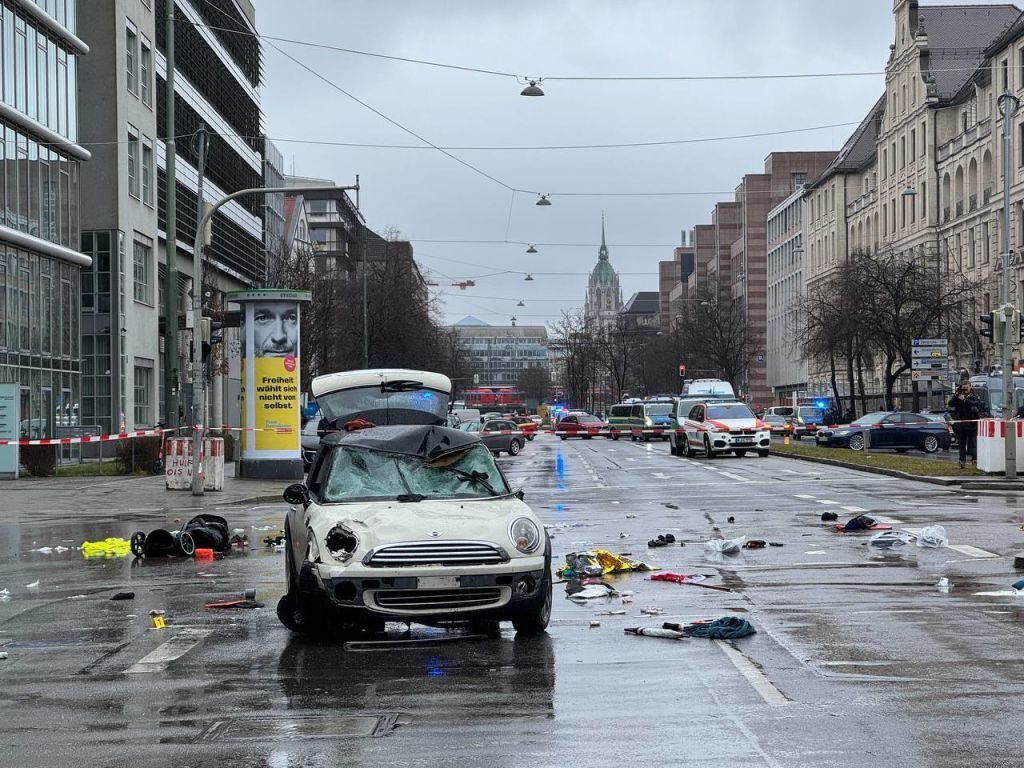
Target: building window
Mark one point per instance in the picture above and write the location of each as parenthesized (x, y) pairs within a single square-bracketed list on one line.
[(903, 151), (131, 58), (145, 72), (147, 172), (133, 161), (1004, 68), (143, 386), (799, 179), (143, 269), (913, 144), (1020, 67), (986, 244), (885, 162), (924, 199), (892, 158), (924, 139)]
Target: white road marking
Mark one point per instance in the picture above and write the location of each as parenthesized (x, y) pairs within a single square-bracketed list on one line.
[(887, 520), (660, 475), (734, 477), (967, 549), (855, 509), (826, 501), (757, 679), (802, 496), (173, 649), (791, 471)]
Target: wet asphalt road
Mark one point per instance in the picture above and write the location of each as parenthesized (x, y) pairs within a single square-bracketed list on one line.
[(859, 659)]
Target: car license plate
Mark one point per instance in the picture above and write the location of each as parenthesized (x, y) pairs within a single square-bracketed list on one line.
[(438, 582)]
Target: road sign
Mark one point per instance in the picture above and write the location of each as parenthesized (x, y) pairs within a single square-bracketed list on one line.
[(929, 342), (928, 364), (928, 376), (929, 352)]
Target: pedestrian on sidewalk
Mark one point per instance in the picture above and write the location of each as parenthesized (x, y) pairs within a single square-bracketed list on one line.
[(965, 408)]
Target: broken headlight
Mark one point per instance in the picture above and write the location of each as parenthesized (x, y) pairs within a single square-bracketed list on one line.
[(524, 534), (341, 542)]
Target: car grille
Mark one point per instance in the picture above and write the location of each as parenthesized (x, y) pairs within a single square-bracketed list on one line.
[(415, 553), (429, 600), (742, 431)]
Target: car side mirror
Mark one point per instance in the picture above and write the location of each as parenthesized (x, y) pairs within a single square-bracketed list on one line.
[(519, 494), (296, 493)]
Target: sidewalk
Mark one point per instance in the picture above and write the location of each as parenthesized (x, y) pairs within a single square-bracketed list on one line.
[(127, 494)]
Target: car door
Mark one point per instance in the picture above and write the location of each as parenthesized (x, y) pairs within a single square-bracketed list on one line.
[(889, 433), (569, 425), (494, 439), (694, 428), (913, 428)]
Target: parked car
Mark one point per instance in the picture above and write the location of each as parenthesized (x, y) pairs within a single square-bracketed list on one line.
[(779, 425), (527, 426), (407, 520), (896, 430), (580, 424), (310, 442), (623, 418), (809, 419), (657, 420), (497, 435), (942, 417), (714, 428), (677, 433)]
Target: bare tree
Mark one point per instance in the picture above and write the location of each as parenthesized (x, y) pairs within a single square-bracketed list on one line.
[(575, 344), (715, 336), (534, 382)]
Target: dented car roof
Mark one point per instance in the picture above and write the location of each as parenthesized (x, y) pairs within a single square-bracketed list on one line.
[(428, 442)]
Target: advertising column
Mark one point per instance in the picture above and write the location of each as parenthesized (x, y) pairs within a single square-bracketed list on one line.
[(9, 431), (271, 390)]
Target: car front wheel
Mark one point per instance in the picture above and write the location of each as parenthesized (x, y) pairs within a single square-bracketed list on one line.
[(534, 619), (857, 443), (931, 444)]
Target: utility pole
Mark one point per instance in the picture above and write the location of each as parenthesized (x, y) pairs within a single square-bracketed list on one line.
[(205, 217), (170, 229), (365, 269), (1010, 104), (202, 139)]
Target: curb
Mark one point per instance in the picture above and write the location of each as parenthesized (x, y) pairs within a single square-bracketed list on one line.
[(944, 481)]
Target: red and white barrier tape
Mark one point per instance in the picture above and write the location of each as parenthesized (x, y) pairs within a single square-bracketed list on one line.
[(91, 438)]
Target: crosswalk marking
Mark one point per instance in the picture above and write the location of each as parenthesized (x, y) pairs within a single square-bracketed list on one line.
[(169, 652)]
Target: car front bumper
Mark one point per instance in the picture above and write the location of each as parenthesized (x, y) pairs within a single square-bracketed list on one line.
[(429, 593), (722, 441)]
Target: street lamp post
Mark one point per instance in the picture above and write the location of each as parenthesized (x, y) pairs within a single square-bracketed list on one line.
[(1009, 104), (202, 238)]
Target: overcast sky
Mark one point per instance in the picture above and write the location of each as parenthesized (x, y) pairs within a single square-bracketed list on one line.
[(427, 196)]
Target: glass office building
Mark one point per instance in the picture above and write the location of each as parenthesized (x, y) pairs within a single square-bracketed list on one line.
[(39, 198)]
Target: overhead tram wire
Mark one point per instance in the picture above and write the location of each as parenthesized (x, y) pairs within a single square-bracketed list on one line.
[(573, 78), (480, 148)]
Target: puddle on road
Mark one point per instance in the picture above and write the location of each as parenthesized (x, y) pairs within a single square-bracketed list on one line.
[(296, 728)]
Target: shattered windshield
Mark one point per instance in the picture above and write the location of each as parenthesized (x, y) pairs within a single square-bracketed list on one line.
[(358, 474)]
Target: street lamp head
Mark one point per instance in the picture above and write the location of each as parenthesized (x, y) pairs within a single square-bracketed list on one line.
[(543, 200), (531, 249), (909, 192), (532, 89), (520, 304)]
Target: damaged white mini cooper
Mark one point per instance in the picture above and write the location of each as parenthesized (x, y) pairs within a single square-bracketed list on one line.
[(410, 521)]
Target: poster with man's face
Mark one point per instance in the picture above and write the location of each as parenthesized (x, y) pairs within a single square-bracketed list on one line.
[(275, 330)]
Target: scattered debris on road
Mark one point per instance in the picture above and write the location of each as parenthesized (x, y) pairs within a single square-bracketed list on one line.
[(123, 596), (662, 540), (109, 547), (589, 589), (598, 562), (890, 539), (725, 628), (932, 536), (670, 506), (667, 634), (724, 546), (679, 578), (828, 517), (944, 585)]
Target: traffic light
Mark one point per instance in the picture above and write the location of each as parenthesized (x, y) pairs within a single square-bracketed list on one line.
[(987, 329), (682, 371)]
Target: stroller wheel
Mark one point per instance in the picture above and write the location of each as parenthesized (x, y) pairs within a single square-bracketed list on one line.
[(138, 543)]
